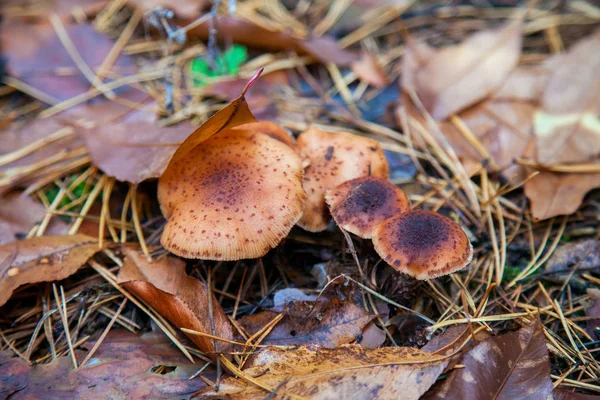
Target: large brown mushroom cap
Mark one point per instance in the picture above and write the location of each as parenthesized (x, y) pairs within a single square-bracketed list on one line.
[(359, 205), (334, 158), (423, 244), (237, 197)]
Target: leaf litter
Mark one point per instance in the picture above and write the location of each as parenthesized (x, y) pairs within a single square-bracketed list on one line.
[(480, 115)]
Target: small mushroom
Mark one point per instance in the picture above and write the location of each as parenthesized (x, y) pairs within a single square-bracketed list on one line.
[(236, 196), (271, 129), (334, 158), (423, 244), (359, 205)]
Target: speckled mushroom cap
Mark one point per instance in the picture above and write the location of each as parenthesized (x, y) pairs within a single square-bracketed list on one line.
[(237, 197), (423, 244), (271, 129), (359, 205), (334, 158)]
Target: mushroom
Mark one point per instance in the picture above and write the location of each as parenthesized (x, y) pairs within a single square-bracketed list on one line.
[(236, 196), (334, 158), (359, 205), (423, 244), (271, 129)]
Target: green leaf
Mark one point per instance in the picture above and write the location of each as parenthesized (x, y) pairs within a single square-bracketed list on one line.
[(226, 64)]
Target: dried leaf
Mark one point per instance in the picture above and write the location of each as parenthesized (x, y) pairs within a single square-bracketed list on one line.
[(562, 394), (510, 366), (348, 372), (183, 300), (36, 56), (135, 148), (567, 126), (453, 78), (123, 367), (581, 254), (370, 70), (553, 194), (40, 9), (234, 114), (323, 48), (372, 336), (329, 324), (19, 214), (183, 9), (42, 259)]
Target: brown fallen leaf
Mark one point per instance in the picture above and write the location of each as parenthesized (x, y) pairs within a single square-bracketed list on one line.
[(323, 48), (136, 147), (369, 69), (42, 259), (329, 324), (36, 56), (450, 79), (182, 9), (552, 193), (583, 255), (511, 366), (183, 300), (40, 9), (348, 372), (125, 365), (372, 336), (19, 213), (567, 126)]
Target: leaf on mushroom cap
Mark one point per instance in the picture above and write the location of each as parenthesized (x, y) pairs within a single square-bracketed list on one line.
[(236, 196), (234, 114), (334, 158), (359, 205), (423, 244), (271, 129)]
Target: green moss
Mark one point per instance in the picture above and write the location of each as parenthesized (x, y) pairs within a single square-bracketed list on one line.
[(226, 64)]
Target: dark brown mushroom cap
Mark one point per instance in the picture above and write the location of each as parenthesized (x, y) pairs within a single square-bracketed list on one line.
[(235, 196), (359, 205), (271, 129), (423, 244), (334, 158)]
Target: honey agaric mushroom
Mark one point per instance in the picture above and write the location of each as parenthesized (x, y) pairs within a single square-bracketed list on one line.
[(423, 244), (271, 129), (359, 205), (236, 196), (334, 158)]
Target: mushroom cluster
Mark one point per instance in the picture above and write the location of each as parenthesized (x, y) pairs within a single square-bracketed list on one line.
[(238, 193)]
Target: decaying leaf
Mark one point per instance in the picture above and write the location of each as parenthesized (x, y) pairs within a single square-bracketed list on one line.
[(36, 56), (135, 148), (19, 214), (552, 193), (511, 366), (564, 394), (181, 299), (329, 324), (42, 259), (348, 372), (583, 255), (125, 366), (567, 126), (450, 79)]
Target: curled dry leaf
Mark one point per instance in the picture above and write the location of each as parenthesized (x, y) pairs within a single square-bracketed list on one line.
[(511, 366), (567, 126), (19, 214), (552, 193), (135, 148), (36, 56), (183, 300), (450, 79), (42, 259), (334, 158), (329, 324), (348, 372), (125, 365)]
